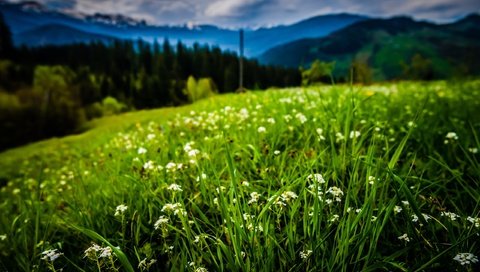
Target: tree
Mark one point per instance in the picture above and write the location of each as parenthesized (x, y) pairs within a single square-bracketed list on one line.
[(60, 106), (6, 44), (319, 72), (361, 71)]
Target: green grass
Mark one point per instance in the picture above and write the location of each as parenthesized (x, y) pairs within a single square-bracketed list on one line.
[(341, 178)]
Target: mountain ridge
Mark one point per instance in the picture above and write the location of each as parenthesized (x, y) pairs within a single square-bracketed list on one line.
[(388, 47), (21, 19)]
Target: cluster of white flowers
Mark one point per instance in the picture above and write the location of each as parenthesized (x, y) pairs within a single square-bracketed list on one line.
[(172, 167), (404, 237), (141, 150), (261, 129), (300, 117), (304, 254), (176, 208), (174, 187), (355, 134), (120, 210), (371, 180), (317, 178), (95, 251), (335, 218), (450, 137), (254, 197), (339, 137), (336, 193), (161, 222), (284, 198), (450, 215), (397, 209), (474, 220), (425, 216), (150, 166), (145, 264), (192, 153), (320, 134), (473, 150), (51, 255), (466, 258), (3, 237)]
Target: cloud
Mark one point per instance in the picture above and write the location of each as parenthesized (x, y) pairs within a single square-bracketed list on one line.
[(233, 8), (232, 13)]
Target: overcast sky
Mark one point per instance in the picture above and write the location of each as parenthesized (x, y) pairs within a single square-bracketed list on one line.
[(254, 13)]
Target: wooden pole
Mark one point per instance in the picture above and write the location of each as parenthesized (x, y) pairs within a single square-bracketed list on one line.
[(240, 70)]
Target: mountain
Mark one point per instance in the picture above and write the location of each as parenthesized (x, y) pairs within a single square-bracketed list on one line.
[(390, 47), (27, 18), (54, 34)]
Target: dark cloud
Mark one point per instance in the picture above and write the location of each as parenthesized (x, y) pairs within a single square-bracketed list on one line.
[(264, 12)]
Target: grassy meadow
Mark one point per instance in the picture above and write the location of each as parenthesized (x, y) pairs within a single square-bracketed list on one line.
[(329, 178)]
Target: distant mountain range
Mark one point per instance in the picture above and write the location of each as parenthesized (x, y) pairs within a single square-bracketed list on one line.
[(34, 25), (389, 46)]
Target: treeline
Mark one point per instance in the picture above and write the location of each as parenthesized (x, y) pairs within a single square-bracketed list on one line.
[(53, 90)]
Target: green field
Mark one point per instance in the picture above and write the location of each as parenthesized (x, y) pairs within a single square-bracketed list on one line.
[(330, 178)]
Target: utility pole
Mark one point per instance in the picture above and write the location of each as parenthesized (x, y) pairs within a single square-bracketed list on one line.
[(240, 63)]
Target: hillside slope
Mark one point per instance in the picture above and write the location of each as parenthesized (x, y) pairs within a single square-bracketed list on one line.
[(260, 181)]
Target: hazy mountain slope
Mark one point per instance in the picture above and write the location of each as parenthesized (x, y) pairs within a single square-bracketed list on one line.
[(57, 35), (27, 16), (388, 46)]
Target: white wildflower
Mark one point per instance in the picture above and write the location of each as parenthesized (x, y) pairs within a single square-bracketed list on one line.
[(120, 209), (339, 137), (288, 196), (144, 265), (334, 218), (161, 222), (302, 118), (142, 150), (316, 178), (397, 209), (254, 197), (404, 237), (3, 237), (276, 152), (354, 134), (106, 252), (320, 134), (466, 258), (336, 192), (176, 208), (149, 165), (261, 129), (171, 167), (450, 137), (305, 254), (450, 215), (473, 150), (475, 221), (51, 255), (174, 187), (371, 180)]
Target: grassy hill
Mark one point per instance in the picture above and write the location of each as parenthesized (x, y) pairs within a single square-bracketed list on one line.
[(389, 47), (332, 178)]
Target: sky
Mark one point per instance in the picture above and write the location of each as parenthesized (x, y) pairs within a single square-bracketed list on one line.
[(256, 13)]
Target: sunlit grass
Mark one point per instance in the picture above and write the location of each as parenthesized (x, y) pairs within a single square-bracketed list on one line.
[(317, 179)]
